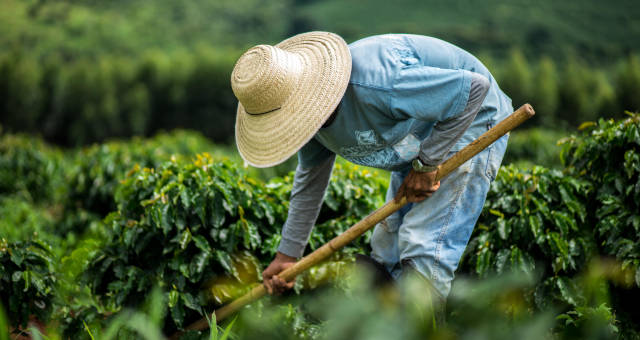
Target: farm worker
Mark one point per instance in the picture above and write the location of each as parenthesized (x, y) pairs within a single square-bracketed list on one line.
[(398, 102)]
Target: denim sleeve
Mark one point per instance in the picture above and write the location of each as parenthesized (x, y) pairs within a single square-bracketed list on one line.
[(446, 133), (429, 94), (313, 153), (309, 186)]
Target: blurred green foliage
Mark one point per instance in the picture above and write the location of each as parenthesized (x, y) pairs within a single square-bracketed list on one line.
[(30, 168), (73, 28), (98, 169), (27, 282), (76, 29), (535, 146), (608, 155), (564, 94), (628, 82), (592, 29), (77, 72), (493, 308), (21, 220), (201, 229), (75, 103)]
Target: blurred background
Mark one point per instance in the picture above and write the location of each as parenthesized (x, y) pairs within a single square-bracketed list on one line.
[(82, 71)]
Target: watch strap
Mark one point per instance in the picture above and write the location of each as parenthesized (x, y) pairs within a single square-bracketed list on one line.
[(421, 167)]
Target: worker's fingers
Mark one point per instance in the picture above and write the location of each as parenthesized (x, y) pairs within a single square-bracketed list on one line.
[(268, 286), (411, 197), (424, 192), (279, 263), (401, 192), (275, 285), (286, 285), (430, 187), (270, 271), (418, 196), (290, 284), (280, 285), (417, 186), (277, 288), (266, 280)]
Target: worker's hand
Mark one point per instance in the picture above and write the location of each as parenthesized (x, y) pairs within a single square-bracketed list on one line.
[(417, 186), (273, 283)]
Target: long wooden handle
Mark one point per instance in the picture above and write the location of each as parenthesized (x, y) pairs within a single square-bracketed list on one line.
[(518, 117)]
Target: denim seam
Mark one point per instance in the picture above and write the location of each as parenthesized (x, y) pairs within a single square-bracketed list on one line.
[(490, 151), (373, 87), (445, 227), (488, 164), (388, 90)]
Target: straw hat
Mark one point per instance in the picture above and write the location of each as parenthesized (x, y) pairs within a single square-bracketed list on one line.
[(286, 92)]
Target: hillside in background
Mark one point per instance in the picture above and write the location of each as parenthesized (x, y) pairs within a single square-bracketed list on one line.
[(94, 28), (593, 30)]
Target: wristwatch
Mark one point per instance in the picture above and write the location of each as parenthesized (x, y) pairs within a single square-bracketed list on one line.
[(420, 167)]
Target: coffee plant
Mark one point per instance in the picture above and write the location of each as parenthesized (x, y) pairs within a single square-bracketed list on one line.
[(21, 220), (30, 168), (608, 155), (200, 230), (184, 224), (98, 169), (556, 224), (95, 172), (27, 283), (534, 222)]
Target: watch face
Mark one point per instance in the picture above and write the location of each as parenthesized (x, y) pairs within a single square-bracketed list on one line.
[(417, 165)]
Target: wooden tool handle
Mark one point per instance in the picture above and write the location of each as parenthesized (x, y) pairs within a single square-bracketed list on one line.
[(514, 120), (518, 117)]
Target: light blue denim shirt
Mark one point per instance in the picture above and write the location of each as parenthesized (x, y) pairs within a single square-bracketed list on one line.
[(401, 85), (404, 90)]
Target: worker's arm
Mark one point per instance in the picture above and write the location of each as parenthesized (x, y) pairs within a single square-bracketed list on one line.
[(446, 133), (419, 185), (309, 186)]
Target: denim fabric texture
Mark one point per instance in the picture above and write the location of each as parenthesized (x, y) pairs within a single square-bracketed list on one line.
[(433, 234), (401, 85)]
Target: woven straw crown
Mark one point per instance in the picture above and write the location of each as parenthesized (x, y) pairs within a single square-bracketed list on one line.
[(265, 77), (286, 92)]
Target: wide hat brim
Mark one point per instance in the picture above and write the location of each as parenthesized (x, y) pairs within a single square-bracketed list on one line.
[(269, 139)]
